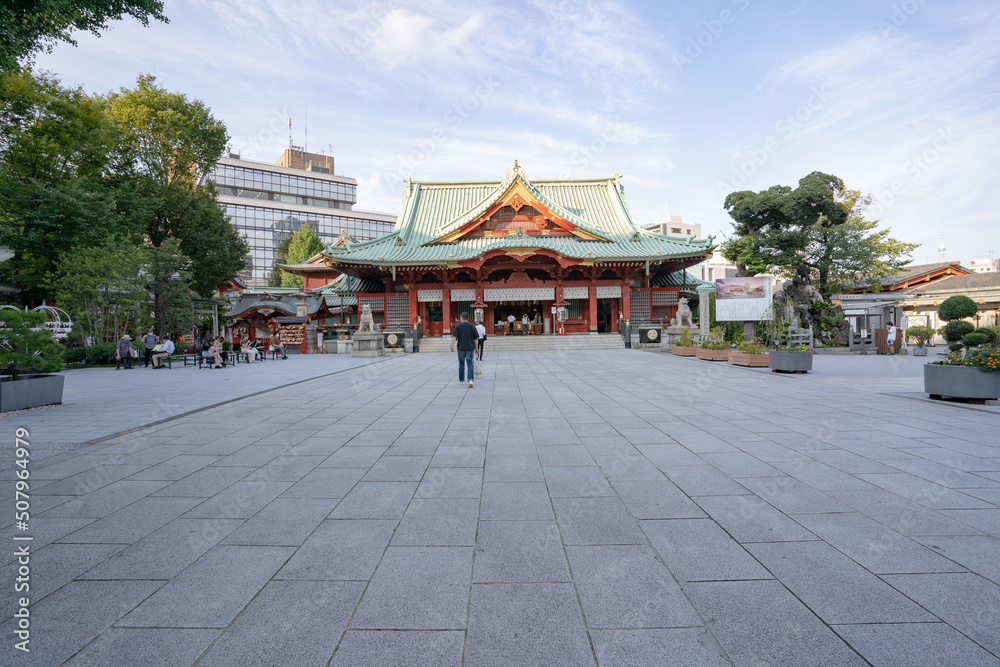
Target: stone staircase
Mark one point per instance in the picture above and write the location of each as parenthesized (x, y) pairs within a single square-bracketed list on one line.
[(611, 341)]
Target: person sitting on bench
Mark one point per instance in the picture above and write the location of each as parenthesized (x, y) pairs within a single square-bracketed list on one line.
[(161, 352), (249, 350), (276, 345)]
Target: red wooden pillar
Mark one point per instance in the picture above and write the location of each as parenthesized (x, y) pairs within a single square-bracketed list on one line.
[(593, 305), (626, 300), (412, 287), (446, 309)]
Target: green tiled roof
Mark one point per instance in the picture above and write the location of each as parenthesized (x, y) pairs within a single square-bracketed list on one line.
[(681, 279), (598, 207)]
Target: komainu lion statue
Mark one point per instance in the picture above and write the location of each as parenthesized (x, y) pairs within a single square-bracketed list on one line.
[(367, 322), (683, 315)]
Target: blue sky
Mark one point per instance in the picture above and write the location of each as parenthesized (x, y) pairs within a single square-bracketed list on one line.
[(687, 100)]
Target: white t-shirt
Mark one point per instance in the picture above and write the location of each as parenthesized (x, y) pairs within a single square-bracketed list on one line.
[(481, 330), (510, 318)]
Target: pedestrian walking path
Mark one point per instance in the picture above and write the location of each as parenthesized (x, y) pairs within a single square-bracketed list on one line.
[(612, 507)]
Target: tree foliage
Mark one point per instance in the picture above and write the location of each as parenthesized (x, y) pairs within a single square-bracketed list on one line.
[(818, 225), (37, 25), (26, 345), (958, 307), (98, 287), (302, 245), (168, 277)]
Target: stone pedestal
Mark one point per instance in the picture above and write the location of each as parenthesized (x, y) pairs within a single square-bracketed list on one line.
[(368, 344), (670, 337), (343, 346)]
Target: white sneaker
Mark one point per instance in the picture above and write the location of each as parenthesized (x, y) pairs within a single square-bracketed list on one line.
[(470, 384)]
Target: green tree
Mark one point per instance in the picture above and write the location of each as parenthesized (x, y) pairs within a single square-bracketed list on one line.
[(98, 287), (26, 345), (168, 276), (37, 25), (55, 194), (302, 245)]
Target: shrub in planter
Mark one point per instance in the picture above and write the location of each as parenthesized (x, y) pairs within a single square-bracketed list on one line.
[(752, 353), (982, 337), (971, 374), (955, 331), (920, 334), (26, 346), (684, 347), (716, 348)]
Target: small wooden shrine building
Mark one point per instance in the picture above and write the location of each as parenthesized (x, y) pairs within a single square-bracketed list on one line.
[(514, 247)]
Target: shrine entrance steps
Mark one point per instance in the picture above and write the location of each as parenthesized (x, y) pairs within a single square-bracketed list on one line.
[(610, 341)]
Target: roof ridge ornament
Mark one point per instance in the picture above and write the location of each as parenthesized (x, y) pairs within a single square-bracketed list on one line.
[(514, 171)]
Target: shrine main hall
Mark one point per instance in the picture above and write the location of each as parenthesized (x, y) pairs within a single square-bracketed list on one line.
[(515, 247)]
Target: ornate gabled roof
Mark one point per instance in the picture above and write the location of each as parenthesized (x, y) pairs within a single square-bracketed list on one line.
[(441, 223), (683, 279)]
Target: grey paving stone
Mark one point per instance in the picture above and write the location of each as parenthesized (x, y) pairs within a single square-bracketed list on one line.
[(595, 521), (398, 469), (340, 550), (925, 493), (626, 587), (519, 552), (166, 552), (608, 446), (966, 602), (305, 632), (64, 622), (513, 469), (914, 644), (792, 635), (105, 500), (628, 468), (820, 476), (175, 468), (288, 467), (375, 500), (978, 553), (698, 550), (459, 456), (850, 462), (51, 568), (704, 480), (658, 499), (414, 446), (205, 482), (46, 532), (837, 589), (284, 522), (252, 456), (666, 457), (435, 582), (750, 519), (160, 647), (438, 522), (325, 483), (565, 455), (986, 520), (691, 647), (582, 482), (87, 481), (317, 446), (875, 546), (134, 522), (738, 464), (451, 483), (239, 501), (791, 496), (526, 501), (526, 624), (902, 515), (352, 457), (212, 591), (401, 648)]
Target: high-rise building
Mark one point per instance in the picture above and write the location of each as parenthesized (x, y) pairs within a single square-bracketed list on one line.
[(710, 269), (674, 226), (268, 202), (984, 265)]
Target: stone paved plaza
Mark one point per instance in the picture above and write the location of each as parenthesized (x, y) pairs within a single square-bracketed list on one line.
[(610, 507)]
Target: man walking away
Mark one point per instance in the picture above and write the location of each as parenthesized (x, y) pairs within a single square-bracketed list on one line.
[(481, 330), (465, 334), (165, 351), (150, 339), (510, 325)]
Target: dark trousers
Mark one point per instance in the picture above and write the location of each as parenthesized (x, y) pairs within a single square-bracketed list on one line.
[(481, 341), (149, 355), (126, 361), (465, 364)]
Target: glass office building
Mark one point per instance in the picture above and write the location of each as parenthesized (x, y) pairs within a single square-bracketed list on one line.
[(267, 203)]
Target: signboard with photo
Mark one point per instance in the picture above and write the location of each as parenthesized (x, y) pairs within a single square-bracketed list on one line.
[(743, 299)]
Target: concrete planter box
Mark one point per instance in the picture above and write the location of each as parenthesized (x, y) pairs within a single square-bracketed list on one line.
[(682, 351), (919, 351), (30, 391), (747, 359), (784, 361), (712, 355), (961, 382)]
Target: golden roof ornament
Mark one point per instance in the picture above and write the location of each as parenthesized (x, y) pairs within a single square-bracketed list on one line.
[(514, 171)]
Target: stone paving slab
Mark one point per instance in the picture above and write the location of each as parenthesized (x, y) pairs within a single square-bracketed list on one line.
[(609, 507)]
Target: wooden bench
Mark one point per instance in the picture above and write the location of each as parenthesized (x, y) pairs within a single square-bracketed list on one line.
[(178, 357)]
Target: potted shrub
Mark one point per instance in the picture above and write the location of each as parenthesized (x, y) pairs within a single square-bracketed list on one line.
[(715, 348), (28, 352), (921, 335), (685, 345), (752, 353), (786, 357), (965, 373)]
